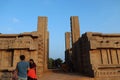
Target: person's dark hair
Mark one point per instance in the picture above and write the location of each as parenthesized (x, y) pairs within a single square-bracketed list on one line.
[(32, 65), (31, 60), (22, 57)]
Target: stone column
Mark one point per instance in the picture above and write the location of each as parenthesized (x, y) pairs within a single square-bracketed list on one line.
[(16, 57), (75, 35), (46, 51), (67, 46), (75, 31), (67, 40), (42, 44)]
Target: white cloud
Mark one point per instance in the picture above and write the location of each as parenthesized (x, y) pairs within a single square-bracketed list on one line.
[(15, 20)]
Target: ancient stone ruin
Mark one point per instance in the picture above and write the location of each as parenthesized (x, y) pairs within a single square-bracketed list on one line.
[(32, 44), (93, 54)]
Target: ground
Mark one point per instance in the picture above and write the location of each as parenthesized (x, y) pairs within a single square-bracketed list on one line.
[(59, 75)]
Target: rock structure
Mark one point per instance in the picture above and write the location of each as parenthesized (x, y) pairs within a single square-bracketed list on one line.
[(32, 44), (75, 36), (94, 54), (67, 46), (101, 54)]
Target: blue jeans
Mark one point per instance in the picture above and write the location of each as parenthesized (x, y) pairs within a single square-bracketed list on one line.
[(21, 78)]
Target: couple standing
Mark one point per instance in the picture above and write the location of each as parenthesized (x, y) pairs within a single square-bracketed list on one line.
[(26, 70)]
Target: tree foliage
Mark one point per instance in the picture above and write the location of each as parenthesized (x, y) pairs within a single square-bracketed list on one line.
[(50, 63), (54, 63), (58, 62)]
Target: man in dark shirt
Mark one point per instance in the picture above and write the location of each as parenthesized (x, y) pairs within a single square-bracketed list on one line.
[(22, 68)]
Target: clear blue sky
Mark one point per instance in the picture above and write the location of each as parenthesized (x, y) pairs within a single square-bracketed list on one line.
[(17, 16)]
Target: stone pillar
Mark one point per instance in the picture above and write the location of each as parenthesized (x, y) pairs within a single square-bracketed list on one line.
[(67, 40), (46, 51), (42, 44), (16, 58), (75, 35), (67, 46), (75, 31)]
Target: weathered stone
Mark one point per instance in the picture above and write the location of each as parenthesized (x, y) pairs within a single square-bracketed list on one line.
[(101, 57), (67, 46), (31, 44), (75, 33), (95, 54)]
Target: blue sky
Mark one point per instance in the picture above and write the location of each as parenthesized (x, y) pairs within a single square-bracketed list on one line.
[(17, 16)]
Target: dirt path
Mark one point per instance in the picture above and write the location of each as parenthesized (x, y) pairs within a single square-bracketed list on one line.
[(63, 76)]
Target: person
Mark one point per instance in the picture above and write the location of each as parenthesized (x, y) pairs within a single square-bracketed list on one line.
[(22, 68), (32, 70), (14, 75)]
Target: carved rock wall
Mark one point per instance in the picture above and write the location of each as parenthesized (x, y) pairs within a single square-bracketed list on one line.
[(32, 44), (94, 54), (100, 54)]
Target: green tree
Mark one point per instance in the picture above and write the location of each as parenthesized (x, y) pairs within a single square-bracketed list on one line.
[(51, 63), (58, 62)]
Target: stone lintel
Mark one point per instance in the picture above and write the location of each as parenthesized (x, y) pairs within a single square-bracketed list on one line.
[(101, 34), (99, 40), (18, 35), (95, 44)]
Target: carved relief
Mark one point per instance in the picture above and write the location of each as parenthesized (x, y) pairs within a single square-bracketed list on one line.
[(31, 44)]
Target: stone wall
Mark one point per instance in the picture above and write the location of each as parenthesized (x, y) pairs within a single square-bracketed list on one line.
[(101, 54), (31, 44), (94, 54)]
